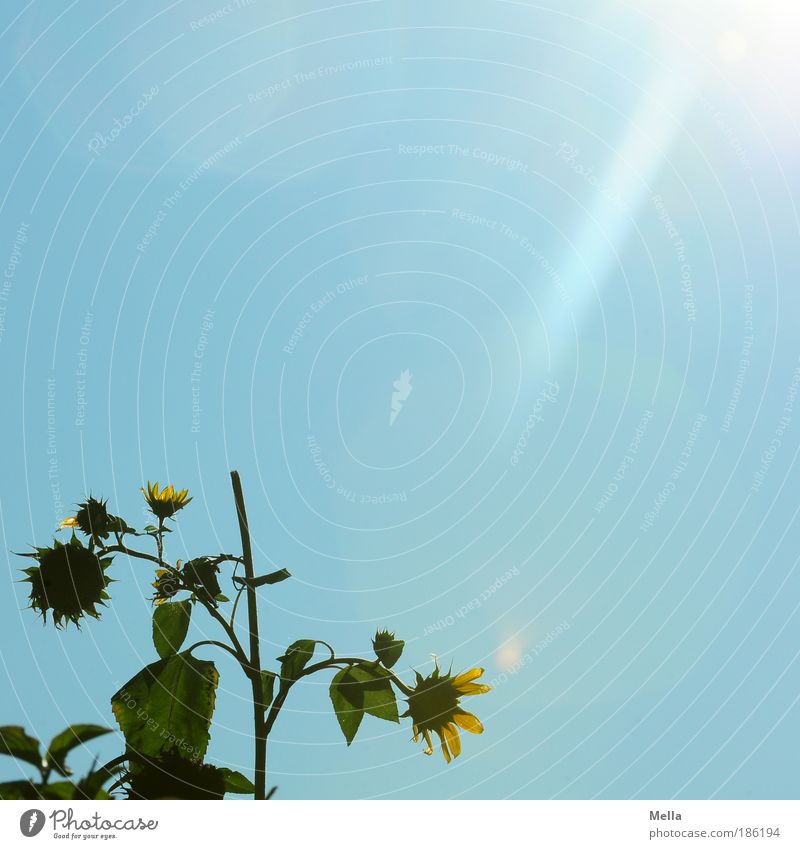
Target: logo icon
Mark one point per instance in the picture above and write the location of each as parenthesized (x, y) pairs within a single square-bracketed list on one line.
[(31, 822), (402, 389)]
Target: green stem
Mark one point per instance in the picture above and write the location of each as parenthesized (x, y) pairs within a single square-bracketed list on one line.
[(259, 722), (213, 643)]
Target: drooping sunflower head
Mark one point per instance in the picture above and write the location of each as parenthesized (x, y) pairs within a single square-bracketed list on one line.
[(435, 706), (70, 581), (167, 584), (166, 502)]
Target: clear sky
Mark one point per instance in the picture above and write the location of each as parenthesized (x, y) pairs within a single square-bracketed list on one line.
[(227, 231)]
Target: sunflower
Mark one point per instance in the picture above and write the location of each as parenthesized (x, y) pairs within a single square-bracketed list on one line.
[(434, 706), (70, 580), (167, 584), (167, 502)]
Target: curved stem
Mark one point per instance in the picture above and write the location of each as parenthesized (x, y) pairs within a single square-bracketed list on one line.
[(235, 605), (216, 643), (131, 552), (351, 661), (331, 663)]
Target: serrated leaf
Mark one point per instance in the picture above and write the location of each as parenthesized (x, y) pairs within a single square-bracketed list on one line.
[(170, 624), (15, 742), (347, 697), (167, 706), (261, 580), (297, 656), (379, 699), (62, 744), (267, 687), (235, 782)]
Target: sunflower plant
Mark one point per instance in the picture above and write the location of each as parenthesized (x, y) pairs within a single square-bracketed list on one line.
[(165, 710)]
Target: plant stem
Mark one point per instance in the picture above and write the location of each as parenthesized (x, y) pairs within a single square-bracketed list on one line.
[(259, 724)]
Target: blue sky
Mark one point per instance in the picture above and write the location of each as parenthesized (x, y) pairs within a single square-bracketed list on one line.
[(228, 230)]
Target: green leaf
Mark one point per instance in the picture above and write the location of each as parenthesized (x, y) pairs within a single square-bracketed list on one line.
[(167, 706), (267, 687), (15, 742), (378, 699), (347, 697), (387, 648), (170, 624), (261, 580), (297, 656), (235, 782), (68, 739), (18, 790), (221, 597)]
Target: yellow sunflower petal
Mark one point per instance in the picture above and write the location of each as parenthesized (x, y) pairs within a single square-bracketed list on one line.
[(473, 689), (416, 733), (469, 675), (428, 750), (468, 721), (453, 739), (69, 522), (444, 747)]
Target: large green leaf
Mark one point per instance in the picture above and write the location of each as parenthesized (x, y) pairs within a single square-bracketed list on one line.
[(347, 697), (63, 743), (168, 707), (170, 624), (297, 656), (15, 742)]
